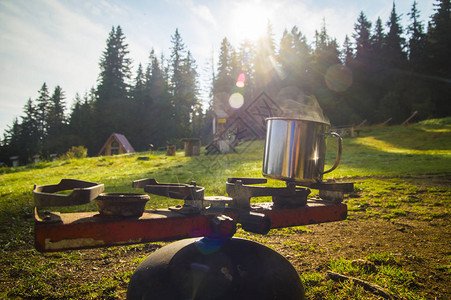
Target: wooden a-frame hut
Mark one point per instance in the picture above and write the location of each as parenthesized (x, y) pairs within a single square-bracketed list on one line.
[(116, 144)]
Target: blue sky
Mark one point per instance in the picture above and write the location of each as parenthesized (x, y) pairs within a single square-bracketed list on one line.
[(61, 42)]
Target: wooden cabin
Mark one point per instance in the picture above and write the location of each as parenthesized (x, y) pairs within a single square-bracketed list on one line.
[(116, 144)]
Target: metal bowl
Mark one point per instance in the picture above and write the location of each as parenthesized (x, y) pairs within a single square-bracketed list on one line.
[(121, 204)]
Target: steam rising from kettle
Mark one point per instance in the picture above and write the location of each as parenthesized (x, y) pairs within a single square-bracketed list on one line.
[(297, 105)]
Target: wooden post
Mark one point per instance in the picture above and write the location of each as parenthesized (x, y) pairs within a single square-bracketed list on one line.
[(386, 122), (406, 122), (361, 124), (192, 147), (170, 150)]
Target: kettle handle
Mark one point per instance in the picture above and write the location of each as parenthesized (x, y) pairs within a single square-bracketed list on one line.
[(339, 150)]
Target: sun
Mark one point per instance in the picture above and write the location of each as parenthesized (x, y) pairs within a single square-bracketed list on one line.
[(249, 20)]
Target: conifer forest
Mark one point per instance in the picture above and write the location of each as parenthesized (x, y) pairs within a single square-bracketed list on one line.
[(382, 70)]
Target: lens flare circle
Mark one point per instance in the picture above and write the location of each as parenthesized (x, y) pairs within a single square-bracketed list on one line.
[(236, 101), (241, 80), (338, 78)]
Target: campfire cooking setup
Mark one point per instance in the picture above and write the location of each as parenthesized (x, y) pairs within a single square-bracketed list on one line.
[(206, 262)]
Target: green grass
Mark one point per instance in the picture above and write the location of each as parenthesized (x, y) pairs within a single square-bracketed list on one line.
[(382, 162), (388, 275), (391, 198), (423, 148)]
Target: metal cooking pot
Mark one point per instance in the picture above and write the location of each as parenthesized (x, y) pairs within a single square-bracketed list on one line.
[(295, 150)]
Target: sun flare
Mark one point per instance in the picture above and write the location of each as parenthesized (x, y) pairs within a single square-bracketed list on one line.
[(249, 20)]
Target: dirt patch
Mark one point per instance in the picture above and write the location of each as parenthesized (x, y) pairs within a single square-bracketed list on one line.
[(406, 221), (420, 247)]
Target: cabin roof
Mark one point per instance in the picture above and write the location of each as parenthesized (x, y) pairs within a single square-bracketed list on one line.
[(122, 140)]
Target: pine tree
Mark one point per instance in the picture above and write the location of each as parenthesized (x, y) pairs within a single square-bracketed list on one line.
[(439, 60), (439, 39), (196, 114), (138, 109), (377, 41), (286, 52), (56, 122), (294, 58), (139, 88), (417, 40), (394, 42), (184, 86), (112, 102), (179, 118), (362, 38), (246, 59), (57, 107), (266, 65), (224, 80), (114, 68), (158, 111), (191, 95), (348, 52), (178, 53), (31, 138), (416, 91), (392, 101), (360, 96), (41, 112), (326, 54), (155, 81), (81, 122), (303, 57), (376, 74), (13, 143)]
